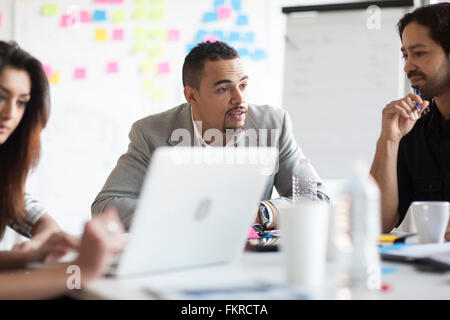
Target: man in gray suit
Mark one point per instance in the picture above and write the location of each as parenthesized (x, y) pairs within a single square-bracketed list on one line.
[(217, 114)]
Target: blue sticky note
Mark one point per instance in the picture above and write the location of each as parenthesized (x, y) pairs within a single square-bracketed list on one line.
[(388, 270), (210, 17), (242, 20), (99, 15), (236, 5), (233, 36), (243, 52), (259, 54), (201, 34), (218, 34), (218, 3), (248, 37)]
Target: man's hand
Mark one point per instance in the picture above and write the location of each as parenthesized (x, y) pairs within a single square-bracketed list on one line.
[(399, 117)]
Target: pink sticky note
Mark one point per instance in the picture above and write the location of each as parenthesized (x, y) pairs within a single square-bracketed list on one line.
[(210, 39), (48, 71), (112, 67), (163, 68), (252, 234), (79, 73), (173, 35), (117, 34), (101, 1), (64, 22), (224, 13), (116, 1), (85, 16)]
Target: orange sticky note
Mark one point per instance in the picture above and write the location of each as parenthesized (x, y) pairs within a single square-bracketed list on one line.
[(55, 77)]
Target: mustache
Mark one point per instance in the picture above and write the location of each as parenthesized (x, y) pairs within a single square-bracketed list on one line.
[(416, 73), (240, 108)]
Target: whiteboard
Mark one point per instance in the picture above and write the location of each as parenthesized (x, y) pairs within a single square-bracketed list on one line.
[(114, 71), (339, 74)]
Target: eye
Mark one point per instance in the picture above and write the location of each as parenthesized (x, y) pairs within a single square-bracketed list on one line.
[(22, 103), (222, 89), (419, 53), (244, 85), (404, 57)]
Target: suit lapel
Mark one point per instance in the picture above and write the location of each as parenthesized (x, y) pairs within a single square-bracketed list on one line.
[(182, 131)]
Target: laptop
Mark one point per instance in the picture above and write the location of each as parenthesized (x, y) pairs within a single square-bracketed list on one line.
[(195, 208)]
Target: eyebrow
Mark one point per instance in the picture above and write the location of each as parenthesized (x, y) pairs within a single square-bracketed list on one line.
[(9, 91), (228, 81), (414, 46)]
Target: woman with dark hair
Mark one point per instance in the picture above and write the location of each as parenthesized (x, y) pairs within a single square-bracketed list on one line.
[(24, 111)]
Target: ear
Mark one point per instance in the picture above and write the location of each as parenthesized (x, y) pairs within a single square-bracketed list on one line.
[(190, 94)]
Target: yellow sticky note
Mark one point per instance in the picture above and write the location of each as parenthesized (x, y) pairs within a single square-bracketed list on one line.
[(157, 51), (139, 47), (154, 2), (140, 13), (140, 33), (158, 34), (55, 79), (157, 94), (50, 9), (157, 13), (148, 85), (100, 35), (148, 66), (119, 16)]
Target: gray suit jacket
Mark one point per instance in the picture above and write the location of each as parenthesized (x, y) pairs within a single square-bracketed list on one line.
[(123, 186)]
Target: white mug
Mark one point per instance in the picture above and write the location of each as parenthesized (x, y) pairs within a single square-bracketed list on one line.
[(304, 230), (431, 219)]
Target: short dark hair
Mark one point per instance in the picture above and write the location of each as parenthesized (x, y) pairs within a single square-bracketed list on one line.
[(205, 51), (434, 16)]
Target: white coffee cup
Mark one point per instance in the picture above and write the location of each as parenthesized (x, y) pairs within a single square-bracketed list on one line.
[(304, 230), (431, 220)]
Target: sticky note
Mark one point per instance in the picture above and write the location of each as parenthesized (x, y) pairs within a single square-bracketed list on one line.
[(140, 13), (117, 34), (210, 38), (99, 15), (148, 66), (148, 85), (156, 14), (248, 37), (242, 20), (157, 51), (158, 34), (119, 16), (156, 2), (48, 71), (157, 94), (140, 33), (116, 1), (218, 34), (210, 17), (140, 47), (243, 52), (55, 79), (201, 34), (141, 1), (173, 35), (100, 35), (79, 73), (163, 68), (233, 36), (112, 67), (49, 9), (66, 20), (218, 3), (259, 54), (100, 1), (236, 5), (85, 16), (224, 13)]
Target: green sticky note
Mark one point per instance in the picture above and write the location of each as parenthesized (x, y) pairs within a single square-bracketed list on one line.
[(157, 14), (148, 85), (157, 94), (140, 33), (139, 47), (140, 13), (158, 34), (50, 9), (119, 16), (141, 1), (156, 2), (157, 51)]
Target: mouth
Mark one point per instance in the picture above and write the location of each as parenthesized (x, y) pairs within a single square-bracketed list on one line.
[(237, 113), (3, 128), (414, 80)]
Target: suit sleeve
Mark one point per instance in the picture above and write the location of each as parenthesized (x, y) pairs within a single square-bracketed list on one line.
[(123, 185)]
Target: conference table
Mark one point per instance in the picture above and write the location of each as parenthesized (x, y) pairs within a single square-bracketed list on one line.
[(261, 276)]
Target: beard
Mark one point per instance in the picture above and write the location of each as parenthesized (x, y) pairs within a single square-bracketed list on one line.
[(436, 85)]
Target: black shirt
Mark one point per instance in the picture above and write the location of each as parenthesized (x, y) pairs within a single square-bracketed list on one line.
[(423, 164)]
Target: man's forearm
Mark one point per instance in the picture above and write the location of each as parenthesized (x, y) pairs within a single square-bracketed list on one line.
[(384, 171)]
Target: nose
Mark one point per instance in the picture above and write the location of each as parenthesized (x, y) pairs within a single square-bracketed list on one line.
[(7, 109), (409, 65), (237, 97)]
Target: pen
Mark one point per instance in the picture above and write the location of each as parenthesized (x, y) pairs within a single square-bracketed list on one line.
[(418, 105)]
